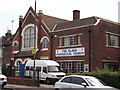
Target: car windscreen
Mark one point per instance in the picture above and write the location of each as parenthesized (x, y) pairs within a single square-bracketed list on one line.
[(94, 82), (53, 69)]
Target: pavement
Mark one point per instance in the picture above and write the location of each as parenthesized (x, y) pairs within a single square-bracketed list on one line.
[(16, 87)]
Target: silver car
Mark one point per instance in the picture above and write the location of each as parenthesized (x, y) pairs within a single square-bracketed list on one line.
[(79, 81)]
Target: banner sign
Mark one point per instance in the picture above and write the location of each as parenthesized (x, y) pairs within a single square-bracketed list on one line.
[(70, 52)]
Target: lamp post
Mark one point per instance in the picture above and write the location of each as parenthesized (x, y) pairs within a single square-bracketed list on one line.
[(34, 50)]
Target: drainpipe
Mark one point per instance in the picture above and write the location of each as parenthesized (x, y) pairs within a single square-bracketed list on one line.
[(51, 47), (89, 32)]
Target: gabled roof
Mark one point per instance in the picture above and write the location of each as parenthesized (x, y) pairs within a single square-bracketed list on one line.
[(76, 23), (80, 23), (52, 21)]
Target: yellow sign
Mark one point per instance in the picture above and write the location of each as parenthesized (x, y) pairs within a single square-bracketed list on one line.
[(34, 51)]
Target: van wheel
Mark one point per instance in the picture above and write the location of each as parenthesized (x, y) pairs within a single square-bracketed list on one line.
[(56, 89), (48, 81), (2, 86)]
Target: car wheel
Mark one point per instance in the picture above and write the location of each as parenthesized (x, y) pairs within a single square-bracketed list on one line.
[(48, 81)]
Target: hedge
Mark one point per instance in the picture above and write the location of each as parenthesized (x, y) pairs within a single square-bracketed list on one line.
[(110, 78)]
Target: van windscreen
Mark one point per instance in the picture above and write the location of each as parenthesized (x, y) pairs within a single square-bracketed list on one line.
[(53, 68)]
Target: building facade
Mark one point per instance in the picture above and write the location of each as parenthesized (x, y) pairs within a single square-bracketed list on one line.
[(81, 45)]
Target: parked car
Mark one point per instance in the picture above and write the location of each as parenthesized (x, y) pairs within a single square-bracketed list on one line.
[(3, 80), (79, 81)]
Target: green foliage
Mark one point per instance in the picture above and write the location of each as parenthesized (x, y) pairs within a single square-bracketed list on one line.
[(110, 78)]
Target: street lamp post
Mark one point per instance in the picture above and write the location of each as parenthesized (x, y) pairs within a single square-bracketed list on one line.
[(34, 50)]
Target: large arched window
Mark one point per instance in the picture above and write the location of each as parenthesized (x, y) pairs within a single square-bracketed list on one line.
[(28, 37)]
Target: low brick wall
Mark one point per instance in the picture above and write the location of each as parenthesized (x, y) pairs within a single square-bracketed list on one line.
[(21, 81)]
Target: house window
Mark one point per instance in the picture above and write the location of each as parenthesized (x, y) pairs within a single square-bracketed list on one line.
[(28, 37), (112, 40), (18, 65), (60, 41), (15, 46), (79, 66), (71, 40), (107, 40), (79, 39), (45, 43), (61, 65), (70, 66), (112, 66)]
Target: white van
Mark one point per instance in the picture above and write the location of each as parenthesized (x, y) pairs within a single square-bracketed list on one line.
[(3, 81), (49, 70)]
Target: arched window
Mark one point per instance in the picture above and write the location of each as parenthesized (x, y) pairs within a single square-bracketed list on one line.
[(45, 43), (28, 37), (17, 64), (15, 46)]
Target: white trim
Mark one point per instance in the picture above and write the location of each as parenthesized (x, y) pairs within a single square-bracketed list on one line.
[(44, 38), (44, 49), (69, 60), (45, 25), (70, 35), (15, 52), (73, 28), (28, 15), (44, 30), (22, 34), (98, 20), (26, 60), (112, 33), (54, 27), (108, 61), (14, 42), (70, 46), (15, 64), (112, 46), (13, 46)]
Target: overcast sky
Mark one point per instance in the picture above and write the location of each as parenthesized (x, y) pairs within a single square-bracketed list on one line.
[(11, 10)]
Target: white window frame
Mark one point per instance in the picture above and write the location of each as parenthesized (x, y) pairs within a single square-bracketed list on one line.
[(15, 51), (75, 38), (79, 66), (113, 40), (27, 26), (69, 66), (17, 65), (44, 48)]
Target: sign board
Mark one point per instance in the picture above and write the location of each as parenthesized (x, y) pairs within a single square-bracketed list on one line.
[(70, 52), (34, 51), (86, 68)]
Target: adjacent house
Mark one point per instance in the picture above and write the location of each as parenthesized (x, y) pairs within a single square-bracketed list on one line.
[(7, 61), (80, 45)]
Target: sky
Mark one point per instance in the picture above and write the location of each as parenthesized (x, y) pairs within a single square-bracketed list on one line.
[(10, 10)]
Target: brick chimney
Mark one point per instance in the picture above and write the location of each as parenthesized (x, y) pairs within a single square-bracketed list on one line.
[(76, 14), (8, 34), (20, 20)]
